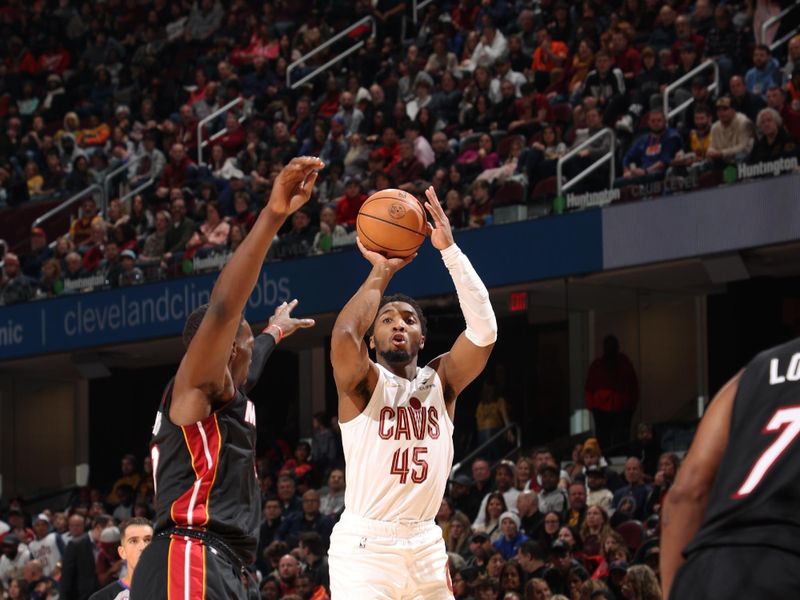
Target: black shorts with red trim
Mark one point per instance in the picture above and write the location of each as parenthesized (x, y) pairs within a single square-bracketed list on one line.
[(725, 572), (184, 568)]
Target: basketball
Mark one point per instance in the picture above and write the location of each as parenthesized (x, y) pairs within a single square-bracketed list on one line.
[(392, 222)]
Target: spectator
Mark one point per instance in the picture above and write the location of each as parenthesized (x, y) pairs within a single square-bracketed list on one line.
[(14, 556), (180, 232), (650, 155), (511, 539), (76, 527), (78, 574), (129, 274), (212, 234), (407, 171), (73, 269), (332, 497), (685, 35), (290, 503), (179, 170), (491, 45), (552, 498), (599, 494), (308, 519), (32, 261), (773, 140), (50, 283), (549, 55), (349, 204), (488, 520), (273, 518), (15, 286), (776, 99), (299, 239), (531, 518), (663, 36), (744, 101), (668, 464), (636, 489), (595, 528), (640, 583), (312, 551), (80, 229), (576, 496), (731, 135), (150, 161), (764, 73), (335, 146), (155, 243), (476, 160), (129, 476), (605, 88), (480, 210), (697, 142), (626, 59), (288, 570), (612, 393)]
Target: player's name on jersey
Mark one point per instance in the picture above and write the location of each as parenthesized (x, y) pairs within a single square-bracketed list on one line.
[(782, 373), (83, 283)]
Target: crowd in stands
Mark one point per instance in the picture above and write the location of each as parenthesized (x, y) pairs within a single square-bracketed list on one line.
[(536, 528), (479, 99)]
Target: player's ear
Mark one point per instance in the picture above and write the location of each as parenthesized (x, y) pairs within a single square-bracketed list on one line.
[(372, 342), (121, 551), (234, 351), (421, 342)]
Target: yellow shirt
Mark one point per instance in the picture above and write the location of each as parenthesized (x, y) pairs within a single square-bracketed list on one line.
[(489, 415)]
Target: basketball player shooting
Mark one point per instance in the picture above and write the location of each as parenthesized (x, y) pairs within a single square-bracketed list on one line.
[(733, 509), (397, 424), (204, 438)]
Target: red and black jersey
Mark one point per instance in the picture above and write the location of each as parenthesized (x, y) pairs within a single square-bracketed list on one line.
[(756, 492), (205, 474)]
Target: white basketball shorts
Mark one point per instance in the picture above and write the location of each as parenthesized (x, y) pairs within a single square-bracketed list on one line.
[(382, 560)]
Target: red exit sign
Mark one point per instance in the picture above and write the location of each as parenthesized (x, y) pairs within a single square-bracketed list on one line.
[(518, 301)]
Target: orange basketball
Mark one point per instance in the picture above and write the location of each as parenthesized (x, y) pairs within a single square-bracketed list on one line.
[(392, 222)]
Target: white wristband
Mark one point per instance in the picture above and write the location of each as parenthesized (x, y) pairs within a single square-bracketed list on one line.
[(472, 296)]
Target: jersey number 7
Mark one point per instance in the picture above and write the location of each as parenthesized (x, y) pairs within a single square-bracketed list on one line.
[(787, 419)]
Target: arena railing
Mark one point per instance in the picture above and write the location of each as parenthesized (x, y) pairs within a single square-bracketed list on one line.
[(67, 203), (608, 157), (125, 197), (712, 87), (343, 54), (202, 144), (416, 7), (113, 173), (774, 19), (479, 450)]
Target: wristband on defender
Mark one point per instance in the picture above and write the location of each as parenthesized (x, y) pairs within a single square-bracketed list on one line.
[(278, 337)]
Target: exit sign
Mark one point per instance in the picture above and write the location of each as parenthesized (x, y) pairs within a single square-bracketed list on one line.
[(518, 302)]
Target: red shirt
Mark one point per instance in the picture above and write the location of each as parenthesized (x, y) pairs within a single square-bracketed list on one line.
[(612, 388), (629, 61), (347, 209)]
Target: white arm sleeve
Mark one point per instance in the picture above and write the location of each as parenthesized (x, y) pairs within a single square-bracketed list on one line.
[(472, 296)]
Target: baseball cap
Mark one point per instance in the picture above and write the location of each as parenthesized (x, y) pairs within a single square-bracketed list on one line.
[(128, 254), (591, 444), (11, 539), (618, 565), (560, 547), (462, 480), (723, 102), (37, 231), (595, 470), (479, 536), (41, 517), (110, 535)]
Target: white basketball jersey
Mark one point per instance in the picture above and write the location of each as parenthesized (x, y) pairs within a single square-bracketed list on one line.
[(399, 451)]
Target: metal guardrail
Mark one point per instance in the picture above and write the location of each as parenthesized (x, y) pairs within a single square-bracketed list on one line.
[(202, 144), (608, 157), (712, 87), (113, 173), (477, 451), (136, 190), (774, 19), (323, 46), (67, 203), (416, 7)]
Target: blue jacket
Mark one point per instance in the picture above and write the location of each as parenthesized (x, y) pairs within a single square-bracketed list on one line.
[(508, 548), (651, 148), (758, 81)]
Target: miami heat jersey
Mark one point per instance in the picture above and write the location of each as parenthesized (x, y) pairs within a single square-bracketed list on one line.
[(205, 475), (756, 492), (399, 450)]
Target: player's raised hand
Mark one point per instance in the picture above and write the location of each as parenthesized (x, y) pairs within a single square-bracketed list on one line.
[(441, 233), (376, 259), (294, 184), (284, 320)]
